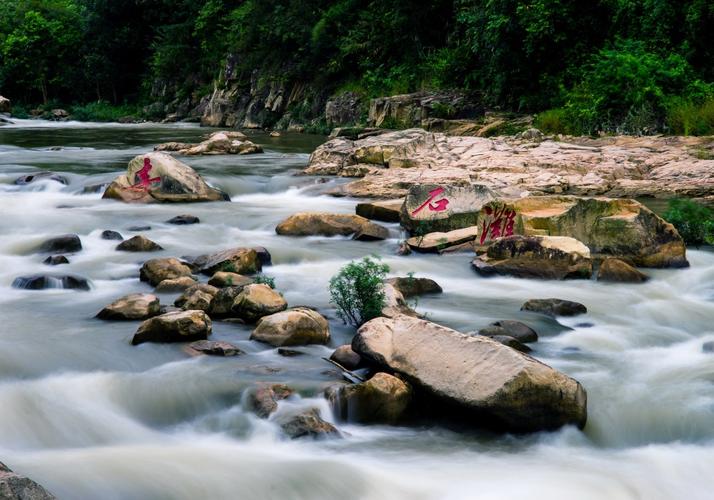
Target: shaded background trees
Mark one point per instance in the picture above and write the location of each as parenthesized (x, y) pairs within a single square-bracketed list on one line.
[(600, 64)]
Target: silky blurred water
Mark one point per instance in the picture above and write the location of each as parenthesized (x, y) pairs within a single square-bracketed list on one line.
[(90, 416)]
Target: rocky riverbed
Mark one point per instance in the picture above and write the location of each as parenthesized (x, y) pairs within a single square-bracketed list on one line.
[(176, 364)]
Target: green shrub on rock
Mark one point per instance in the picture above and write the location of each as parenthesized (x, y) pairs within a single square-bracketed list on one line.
[(357, 291), (694, 222), (264, 279)]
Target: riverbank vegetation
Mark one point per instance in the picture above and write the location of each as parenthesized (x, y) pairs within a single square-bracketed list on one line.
[(585, 67)]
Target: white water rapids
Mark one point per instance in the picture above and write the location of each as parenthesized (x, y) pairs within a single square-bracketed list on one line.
[(89, 416)]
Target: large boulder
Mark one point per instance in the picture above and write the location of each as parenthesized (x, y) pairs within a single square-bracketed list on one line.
[(218, 143), (66, 243), (234, 260), (430, 208), (256, 301), (182, 326), (545, 257), (493, 384), (298, 326), (609, 227), (157, 270), (325, 224), (382, 399), (618, 271), (132, 307), (138, 243), (16, 487), (158, 178)]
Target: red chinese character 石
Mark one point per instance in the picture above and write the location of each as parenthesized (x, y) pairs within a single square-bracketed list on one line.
[(437, 206), (144, 180)]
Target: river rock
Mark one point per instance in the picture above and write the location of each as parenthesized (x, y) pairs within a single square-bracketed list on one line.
[(326, 224), (412, 287), (218, 143), (437, 242), (497, 385), (197, 297), (157, 178), (132, 307), (554, 307), (609, 227), (56, 260), (222, 279), (256, 301), (371, 232), (308, 424), (263, 401), (138, 243), (157, 270), (235, 260), (346, 357), (182, 220), (618, 271), (298, 326), (5, 105), (16, 487), (395, 304), (66, 243), (385, 211), (212, 348), (619, 167), (264, 256), (517, 330), (111, 235), (545, 257), (175, 285), (383, 399), (430, 208), (222, 303), (509, 341), (44, 281), (41, 176), (184, 326)]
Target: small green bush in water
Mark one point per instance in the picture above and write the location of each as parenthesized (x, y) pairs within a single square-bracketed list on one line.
[(358, 292), (694, 222), (263, 279)]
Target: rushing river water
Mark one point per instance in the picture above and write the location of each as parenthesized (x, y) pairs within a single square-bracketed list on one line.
[(90, 416)]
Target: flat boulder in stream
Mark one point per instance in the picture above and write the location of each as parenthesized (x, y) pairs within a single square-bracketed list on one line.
[(160, 178), (410, 286), (183, 326), (326, 224), (544, 257), (16, 487), (256, 301), (618, 271), (554, 307), (45, 281), (132, 307), (67, 243), (492, 384)]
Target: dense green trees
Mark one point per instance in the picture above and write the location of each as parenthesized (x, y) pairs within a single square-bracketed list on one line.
[(613, 65)]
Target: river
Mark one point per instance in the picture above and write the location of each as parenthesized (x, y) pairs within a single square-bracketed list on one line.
[(89, 416)]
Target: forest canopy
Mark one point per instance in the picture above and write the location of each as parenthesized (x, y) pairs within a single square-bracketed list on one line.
[(595, 64)]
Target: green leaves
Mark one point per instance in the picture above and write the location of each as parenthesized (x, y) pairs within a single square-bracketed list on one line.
[(358, 291), (694, 222)]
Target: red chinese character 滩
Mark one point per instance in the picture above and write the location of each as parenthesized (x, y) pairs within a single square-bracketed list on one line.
[(437, 205), (144, 180), (499, 222)]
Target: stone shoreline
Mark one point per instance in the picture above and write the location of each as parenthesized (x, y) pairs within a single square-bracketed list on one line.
[(388, 164)]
